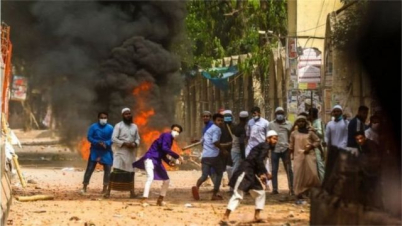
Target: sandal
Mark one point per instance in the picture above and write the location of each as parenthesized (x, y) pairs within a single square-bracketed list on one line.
[(196, 194)]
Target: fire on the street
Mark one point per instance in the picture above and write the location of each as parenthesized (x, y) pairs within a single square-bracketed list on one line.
[(143, 115)]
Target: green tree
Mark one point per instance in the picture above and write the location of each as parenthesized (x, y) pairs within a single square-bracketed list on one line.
[(230, 27)]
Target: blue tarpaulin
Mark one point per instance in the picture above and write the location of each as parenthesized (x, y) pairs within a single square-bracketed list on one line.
[(222, 74)]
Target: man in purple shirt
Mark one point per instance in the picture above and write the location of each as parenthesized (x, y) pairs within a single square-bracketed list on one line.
[(151, 162)]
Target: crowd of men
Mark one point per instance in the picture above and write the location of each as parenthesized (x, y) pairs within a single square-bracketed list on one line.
[(249, 151)]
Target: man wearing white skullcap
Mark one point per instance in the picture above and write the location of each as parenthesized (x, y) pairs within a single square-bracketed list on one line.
[(283, 127), (126, 140), (337, 107), (243, 114), (336, 133), (124, 110), (251, 177)]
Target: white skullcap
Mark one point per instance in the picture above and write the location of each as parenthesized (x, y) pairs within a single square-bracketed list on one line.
[(243, 114), (337, 107), (125, 109), (227, 112), (279, 109), (206, 113), (301, 117), (272, 133)]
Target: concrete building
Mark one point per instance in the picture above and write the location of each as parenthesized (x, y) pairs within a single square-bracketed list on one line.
[(306, 34)]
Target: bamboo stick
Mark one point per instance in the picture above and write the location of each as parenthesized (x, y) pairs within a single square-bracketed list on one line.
[(17, 166), (190, 146), (35, 198)]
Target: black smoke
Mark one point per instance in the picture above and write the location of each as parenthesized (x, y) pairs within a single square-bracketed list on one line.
[(89, 56)]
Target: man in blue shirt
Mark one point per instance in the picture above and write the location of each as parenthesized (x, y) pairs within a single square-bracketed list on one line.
[(206, 117), (100, 137), (211, 159)]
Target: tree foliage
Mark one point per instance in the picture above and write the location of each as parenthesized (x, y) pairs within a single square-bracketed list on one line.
[(347, 26), (222, 28)]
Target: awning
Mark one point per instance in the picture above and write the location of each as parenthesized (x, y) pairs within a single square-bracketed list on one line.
[(219, 76)]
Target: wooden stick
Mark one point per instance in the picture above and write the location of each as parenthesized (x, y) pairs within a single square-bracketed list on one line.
[(230, 131), (191, 145), (35, 198), (17, 167), (262, 184)]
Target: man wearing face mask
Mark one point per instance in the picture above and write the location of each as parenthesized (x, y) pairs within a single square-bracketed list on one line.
[(336, 133), (256, 132), (281, 151), (151, 162), (100, 137), (126, 141)]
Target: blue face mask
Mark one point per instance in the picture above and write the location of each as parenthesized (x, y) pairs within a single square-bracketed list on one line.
[(339, 118), (227, 119)]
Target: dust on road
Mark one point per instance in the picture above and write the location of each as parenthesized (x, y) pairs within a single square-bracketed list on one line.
[(71, 208)]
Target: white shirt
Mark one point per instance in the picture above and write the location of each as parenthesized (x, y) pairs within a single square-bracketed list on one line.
[(257, 132), (371, 135), (124, 157), (336, 133)]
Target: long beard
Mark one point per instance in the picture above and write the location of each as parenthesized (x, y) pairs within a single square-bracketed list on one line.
[(128, 121)]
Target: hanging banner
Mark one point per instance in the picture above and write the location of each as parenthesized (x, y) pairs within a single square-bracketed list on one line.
[(309, 66), (19, 88)]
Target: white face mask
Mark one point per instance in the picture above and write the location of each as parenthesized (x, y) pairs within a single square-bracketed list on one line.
[(175, 134), (256, 117), (280, 117), (102, 121)]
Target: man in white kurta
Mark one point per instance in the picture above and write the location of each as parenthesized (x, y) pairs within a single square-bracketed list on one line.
[(336, 133), (125, 142)]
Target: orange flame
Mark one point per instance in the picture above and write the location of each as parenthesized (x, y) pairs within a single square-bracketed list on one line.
[(143, 115), (84, 147)]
